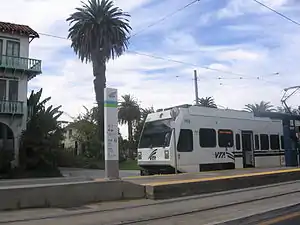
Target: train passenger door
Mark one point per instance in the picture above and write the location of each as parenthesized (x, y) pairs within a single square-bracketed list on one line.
[(185, 148), (248, 149)]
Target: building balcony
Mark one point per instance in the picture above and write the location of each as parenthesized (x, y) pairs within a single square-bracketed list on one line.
[(11, 108), (31, 67)]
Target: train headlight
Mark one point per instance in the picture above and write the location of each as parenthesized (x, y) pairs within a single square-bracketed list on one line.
[(139, 155), (167, 154)]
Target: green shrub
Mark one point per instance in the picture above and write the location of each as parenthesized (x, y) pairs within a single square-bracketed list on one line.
[(68, 159)]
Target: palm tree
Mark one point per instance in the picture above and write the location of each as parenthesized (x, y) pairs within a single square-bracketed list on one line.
[(288, 110), (145, 112), (99, 32), (261, 107), (43, 134), (207, 102), (129, 113)]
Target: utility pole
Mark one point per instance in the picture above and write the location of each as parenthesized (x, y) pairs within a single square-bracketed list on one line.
[(196, 87), (283, 100)]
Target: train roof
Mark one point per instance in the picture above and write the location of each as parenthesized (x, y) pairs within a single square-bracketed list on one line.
[(211, 112)]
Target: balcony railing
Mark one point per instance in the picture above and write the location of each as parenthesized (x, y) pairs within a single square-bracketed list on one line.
[(11, 107), (21, 63)]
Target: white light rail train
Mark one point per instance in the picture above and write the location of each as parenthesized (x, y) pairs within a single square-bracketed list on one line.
[(209, 139)]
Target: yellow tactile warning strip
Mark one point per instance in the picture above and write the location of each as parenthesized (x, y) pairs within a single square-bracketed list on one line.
[(180, 174), (220, 177)]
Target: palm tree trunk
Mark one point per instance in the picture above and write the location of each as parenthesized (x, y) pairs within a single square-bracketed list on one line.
[(130, 130), (99, 69), (130, 138)]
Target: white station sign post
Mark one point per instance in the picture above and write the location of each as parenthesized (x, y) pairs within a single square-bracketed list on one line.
[(111, 133)]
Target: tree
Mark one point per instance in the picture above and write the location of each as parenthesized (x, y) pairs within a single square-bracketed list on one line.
[(129, 113), (281, 109), (99, 32), (43, 135), (290, 109), (207, 102), (261, 107), (87, 133), (145, 112)]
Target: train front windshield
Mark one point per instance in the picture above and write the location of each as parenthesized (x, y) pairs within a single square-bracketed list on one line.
[(156, 134)]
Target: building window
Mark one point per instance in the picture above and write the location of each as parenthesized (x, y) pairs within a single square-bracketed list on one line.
[(13, 89), (207, 138), (13, 48), (274, 140), (2, 90), (238, 142), (256, 144), (264, 142), (282, 141), (225, 138), (12, 53), (185, 142)]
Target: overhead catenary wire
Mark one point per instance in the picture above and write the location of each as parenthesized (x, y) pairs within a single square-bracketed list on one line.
[(240, 76), (53, 36), (278, 13)]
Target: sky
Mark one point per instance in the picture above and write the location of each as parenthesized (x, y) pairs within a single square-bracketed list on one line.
[(243, 53)]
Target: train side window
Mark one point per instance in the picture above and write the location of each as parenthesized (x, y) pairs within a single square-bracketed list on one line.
[(207, 138), (274, 141), (256, 143), (225, 138), (282, 141), (185, 142), (237, 141), (264, 142)]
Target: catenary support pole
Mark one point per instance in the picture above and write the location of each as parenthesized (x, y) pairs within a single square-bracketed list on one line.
[(196, 87)]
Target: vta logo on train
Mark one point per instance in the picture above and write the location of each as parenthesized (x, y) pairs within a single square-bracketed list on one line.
[(152, 156), (219, 155)]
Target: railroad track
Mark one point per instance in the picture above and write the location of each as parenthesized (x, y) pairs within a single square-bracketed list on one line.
[(157, 218), (254, 191)]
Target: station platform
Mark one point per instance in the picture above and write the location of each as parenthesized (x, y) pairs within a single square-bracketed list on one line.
[(186, 184)]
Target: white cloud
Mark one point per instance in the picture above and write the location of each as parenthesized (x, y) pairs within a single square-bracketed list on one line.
[(240, 7), (239, 54), (162, 83)]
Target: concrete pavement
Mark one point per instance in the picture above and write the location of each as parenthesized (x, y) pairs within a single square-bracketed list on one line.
[(209, 209), (94, 173), (71, 191), (172, 186), (70, 175)]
